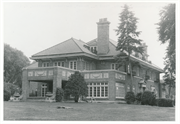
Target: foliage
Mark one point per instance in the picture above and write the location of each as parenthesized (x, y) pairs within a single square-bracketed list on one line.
[(7, 95), (14, 61), (76, 86), (165, 102), (153, 100), (167, 34), (59, 94), (11, 88), (130, 97), (138, 97), (127, 39), (170, 81), (148, 98)]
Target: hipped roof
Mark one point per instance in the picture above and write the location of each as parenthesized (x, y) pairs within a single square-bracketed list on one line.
[(69, 46), (73, 46)]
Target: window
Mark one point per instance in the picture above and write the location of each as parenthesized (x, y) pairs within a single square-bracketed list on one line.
[(149, 74), (98, 90), (55, 64), (93, 49), (73, 65), (45, 64), (59, 63), (62, 64), (120, 91), (114, 66), (137, 71)]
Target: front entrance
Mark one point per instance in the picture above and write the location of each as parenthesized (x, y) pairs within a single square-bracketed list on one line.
[(43, 89), (40, 88)]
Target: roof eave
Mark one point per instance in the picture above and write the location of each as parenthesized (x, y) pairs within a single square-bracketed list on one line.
[(64, 55)]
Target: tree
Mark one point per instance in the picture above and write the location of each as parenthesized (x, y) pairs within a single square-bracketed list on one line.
[(167, 34), (14, 61), (76, 86), (127, 40)]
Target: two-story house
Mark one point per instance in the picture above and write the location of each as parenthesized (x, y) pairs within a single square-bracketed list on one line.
[(96, 61)]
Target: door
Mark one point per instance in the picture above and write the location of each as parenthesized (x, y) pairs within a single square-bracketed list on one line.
[(43, 89)]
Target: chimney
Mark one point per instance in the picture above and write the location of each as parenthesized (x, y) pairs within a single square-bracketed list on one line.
[(103, 36)]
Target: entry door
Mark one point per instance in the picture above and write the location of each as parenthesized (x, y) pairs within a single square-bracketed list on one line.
[(43, 89)]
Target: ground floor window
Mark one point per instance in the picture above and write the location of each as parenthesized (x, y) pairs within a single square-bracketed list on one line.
[(120, 90), (98, 90)]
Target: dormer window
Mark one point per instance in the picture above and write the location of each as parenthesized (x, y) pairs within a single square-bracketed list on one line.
[(93, 49)]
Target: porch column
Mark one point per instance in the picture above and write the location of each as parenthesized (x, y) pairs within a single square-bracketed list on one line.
[(112, 88), (25, 84), (57, 81)]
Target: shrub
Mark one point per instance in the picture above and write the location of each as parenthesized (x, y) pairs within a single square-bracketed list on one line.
[(153, 100), (130, 97), (148, 98), (7, 95), (138, 97), (163, 102), (59, 94)]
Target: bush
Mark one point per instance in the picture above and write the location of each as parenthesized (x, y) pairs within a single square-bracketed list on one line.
[(59, 94), (11, 88), (163, 102), (7, 95), (130, 97), (138, 97), (148, 98), (153, 101)]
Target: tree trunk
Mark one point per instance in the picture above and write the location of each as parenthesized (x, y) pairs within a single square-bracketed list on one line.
[(130, 69)]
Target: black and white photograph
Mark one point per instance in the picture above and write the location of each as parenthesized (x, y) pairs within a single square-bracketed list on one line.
[(89, 61)]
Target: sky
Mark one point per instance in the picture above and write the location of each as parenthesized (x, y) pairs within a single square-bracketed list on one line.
[(34, 26)]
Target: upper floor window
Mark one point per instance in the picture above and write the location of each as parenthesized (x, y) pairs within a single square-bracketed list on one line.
[(114, 66), (73, 65), (59, 64), (62, 64), (93, 49), (149, 74), (136, 70), (45, 64)]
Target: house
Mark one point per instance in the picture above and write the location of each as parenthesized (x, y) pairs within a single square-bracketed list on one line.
[(95, 60)]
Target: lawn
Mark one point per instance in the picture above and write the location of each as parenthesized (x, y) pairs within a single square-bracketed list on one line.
[(86, 112)]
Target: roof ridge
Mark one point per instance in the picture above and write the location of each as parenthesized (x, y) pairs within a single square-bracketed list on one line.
[(76, 43), (51, 47)]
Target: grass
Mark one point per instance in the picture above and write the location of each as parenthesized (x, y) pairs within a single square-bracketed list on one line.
[(86, 112)]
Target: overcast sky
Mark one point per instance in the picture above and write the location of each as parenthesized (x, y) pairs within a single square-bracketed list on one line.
[(33, 27)]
